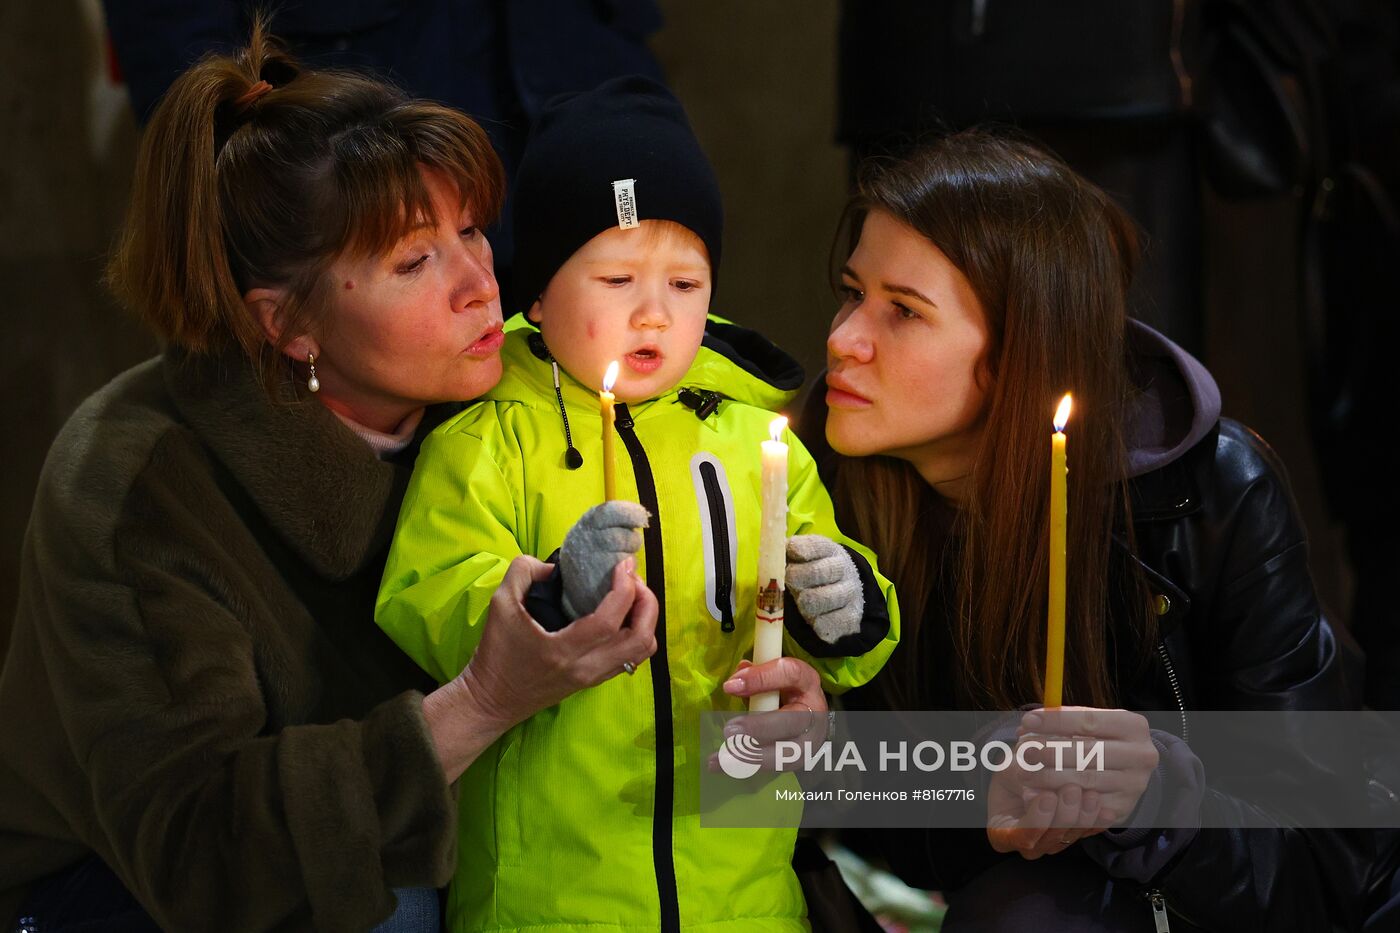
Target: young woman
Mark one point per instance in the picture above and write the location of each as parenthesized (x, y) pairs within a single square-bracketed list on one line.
[(981, 280)]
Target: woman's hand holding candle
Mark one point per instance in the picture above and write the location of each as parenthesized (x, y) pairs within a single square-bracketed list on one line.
[(798, 687), (1035, 808)]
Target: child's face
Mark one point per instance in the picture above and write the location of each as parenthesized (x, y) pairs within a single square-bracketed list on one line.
[(638, 296)]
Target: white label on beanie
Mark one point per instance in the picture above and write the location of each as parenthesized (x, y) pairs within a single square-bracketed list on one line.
[(625, 192)]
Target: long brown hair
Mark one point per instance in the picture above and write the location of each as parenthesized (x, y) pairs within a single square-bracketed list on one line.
[(240, 184), (1050, 258)]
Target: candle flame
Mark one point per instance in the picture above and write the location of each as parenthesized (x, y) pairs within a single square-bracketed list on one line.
[(610, 376), (776, 427), (1062, 413)]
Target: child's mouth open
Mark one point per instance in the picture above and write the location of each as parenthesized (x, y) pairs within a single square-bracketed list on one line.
[(645, 360)]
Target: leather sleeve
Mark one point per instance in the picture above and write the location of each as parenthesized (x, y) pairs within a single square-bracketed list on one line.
[(1257, 639)]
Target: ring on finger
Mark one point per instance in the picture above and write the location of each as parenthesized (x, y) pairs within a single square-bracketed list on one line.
[(629, 667), (811, 719), (1066, 840)]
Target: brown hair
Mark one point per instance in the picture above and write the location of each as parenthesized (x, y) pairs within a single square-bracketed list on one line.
[(239, 186), (1050, 258)]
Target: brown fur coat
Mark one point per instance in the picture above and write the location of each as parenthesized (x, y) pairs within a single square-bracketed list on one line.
[(195, 689)]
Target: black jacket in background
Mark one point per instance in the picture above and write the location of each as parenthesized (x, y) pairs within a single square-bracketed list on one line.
[(496, 61)]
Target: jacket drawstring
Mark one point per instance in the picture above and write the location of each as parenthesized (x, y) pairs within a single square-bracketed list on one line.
[(572, 458)]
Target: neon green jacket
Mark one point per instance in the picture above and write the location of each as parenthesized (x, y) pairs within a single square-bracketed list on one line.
[(587, 814)]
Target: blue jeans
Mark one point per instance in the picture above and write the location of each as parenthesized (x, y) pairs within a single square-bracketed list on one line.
[(417, 912), (86, 898), (89, 898)]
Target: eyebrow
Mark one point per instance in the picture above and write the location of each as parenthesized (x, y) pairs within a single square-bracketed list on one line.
[(895, 289), (683, 266)]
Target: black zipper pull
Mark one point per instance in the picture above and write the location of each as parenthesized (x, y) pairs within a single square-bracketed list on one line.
[(1159, 911), (719, 535), (623, 416)]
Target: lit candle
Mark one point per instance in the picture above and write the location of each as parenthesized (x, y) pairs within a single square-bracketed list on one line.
[(1059, 506), (609, 418), (772, 559)]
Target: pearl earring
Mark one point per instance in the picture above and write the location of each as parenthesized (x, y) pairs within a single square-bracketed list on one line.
[(312, 383)]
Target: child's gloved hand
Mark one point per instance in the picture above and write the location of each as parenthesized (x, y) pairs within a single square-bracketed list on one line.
[(824, 581), (604, 535)]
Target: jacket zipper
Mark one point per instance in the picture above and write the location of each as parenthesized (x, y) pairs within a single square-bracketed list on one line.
[(1159, 910), (719, 530), (1176, 688), (1155, 897), (662, 860)]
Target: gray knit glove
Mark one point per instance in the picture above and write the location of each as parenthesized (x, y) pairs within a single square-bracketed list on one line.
[(824, 581), (599, 540)]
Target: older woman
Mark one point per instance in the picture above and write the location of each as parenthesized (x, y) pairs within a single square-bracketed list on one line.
[(200, 725), (982, 279)]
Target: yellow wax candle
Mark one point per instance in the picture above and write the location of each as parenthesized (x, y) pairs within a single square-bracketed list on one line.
[(605, 397), (772, 559), (1059, 508)]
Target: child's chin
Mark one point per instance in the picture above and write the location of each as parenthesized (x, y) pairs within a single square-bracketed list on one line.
[(639, 388), (636, 395)]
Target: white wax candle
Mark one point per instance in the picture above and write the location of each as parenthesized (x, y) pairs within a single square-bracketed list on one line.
[(772, 559)]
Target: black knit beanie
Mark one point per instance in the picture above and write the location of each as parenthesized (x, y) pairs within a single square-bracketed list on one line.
[(603, 158)]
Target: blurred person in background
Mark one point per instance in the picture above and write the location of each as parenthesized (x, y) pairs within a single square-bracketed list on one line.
[(495, 60)]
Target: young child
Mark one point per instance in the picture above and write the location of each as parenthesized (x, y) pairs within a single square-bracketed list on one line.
[(587, 815)]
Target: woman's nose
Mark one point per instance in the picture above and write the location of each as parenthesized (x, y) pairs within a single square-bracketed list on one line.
[(476, 278), (849, 340)]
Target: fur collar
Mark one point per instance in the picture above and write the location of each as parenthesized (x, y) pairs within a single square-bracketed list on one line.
[(321, 487)]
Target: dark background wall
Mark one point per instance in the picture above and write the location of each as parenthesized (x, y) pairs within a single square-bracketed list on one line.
[(64, 172), (759, 82)]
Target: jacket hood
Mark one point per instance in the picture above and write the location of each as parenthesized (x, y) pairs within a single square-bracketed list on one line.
[(1176, 401), (734, 362)]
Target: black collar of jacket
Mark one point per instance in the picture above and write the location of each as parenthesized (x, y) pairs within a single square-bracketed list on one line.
[(755, 354), (319, 485), (1169, 493), (1173, 490)]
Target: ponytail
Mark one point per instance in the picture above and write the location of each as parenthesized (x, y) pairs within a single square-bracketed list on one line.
[(171, 266)]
